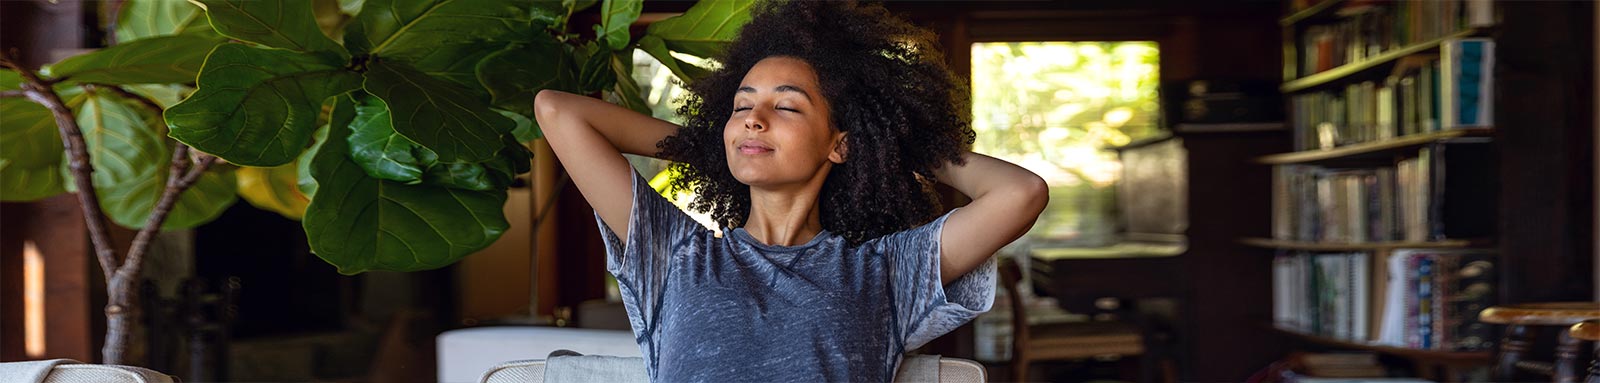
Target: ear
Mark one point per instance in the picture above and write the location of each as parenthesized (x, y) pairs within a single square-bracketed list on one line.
[(839, 148)]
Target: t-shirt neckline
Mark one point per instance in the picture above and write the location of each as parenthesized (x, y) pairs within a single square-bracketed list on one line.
[(744, 236)]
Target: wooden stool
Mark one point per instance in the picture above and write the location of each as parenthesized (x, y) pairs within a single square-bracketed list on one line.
[(1589, 330), (1518, 319)]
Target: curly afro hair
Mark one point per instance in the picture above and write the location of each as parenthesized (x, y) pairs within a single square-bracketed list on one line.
[(889, 89)]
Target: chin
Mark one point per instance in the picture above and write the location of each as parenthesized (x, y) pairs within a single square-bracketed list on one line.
[(750, 177)]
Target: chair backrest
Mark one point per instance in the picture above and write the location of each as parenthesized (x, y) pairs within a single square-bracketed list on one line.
[(71, 371), (951, 370), (1010, 277)]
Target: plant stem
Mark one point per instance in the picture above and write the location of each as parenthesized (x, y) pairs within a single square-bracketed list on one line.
[(144, 101), (78, 163), (123, 311), (122, 279), (183, 174)]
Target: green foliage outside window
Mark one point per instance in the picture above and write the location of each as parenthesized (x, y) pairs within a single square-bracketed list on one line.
[(1052, 107)]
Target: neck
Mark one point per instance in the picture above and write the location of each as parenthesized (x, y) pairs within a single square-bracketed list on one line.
[(786, 215)]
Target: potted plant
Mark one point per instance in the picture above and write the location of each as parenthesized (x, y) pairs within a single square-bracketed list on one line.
[(391, 127)]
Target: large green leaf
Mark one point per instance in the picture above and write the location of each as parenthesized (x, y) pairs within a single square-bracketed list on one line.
[(377, 148), (10, 80), (279, 24), (615, 17), (458, 64), (516, 74), (410, 30), (595, 74), (274, 189), (165, 59), (527, 129), (387, 155), (626, 90), (131, 158), (341, 112), (142, 19), (164, 95), (257, 107), (438, 115), (706, 29), (656, 48), (204, 201), (496, 174), (30, 151), (359, 223)]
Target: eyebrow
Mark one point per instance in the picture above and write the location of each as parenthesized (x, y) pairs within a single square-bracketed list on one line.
[(780, 88)]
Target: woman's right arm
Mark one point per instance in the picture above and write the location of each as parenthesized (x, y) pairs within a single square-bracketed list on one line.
[(589, 136)]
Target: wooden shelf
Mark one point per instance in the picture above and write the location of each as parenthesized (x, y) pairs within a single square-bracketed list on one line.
[(1370, 148), (1375, 62), (1315, 10), (1432, 356), (1366, 246)]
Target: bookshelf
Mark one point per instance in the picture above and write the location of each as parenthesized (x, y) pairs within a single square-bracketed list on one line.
[(1321, 9), (1448, 357), (1389, 192), (1269, 243), (1372, 149), (1370, 64)]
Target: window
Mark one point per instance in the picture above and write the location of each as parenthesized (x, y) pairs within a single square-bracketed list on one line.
[(664, 92), (1053, 108)]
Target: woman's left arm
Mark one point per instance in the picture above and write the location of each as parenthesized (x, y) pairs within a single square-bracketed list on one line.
[(1006, 200)]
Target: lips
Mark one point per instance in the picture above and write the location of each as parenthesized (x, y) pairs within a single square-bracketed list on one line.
[(754, 147)]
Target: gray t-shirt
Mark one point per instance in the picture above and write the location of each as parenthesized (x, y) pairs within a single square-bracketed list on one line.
[(705, 308)]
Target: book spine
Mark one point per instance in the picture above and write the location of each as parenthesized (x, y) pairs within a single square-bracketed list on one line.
[(1444, 268), (1360, 300), (1412, 295), (1425, 297)]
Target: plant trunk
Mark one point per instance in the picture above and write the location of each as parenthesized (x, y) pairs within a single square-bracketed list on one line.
[(124, 340), (123, 315)]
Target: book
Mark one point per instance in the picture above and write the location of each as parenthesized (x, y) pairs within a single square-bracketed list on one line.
[(1432, 298), (1424, 307), (1467, 68), (1363, 30)]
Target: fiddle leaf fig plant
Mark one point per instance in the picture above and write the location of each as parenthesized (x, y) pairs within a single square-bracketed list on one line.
[(391, 128)]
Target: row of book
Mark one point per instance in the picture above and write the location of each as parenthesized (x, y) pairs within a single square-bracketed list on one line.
[(1367, 28), (1415, 298), (1439, 193), (1423, 94)]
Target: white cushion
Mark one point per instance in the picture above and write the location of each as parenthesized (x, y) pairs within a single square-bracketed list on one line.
[(71, 371), (465, 354)]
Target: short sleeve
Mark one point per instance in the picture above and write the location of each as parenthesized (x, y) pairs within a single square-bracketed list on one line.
[(640, 264), (925, 308)]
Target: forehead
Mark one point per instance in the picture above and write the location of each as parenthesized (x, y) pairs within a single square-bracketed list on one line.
[(781, 70)]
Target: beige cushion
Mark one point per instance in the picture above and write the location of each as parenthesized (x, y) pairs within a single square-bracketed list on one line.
[(70, 371), (951, 370)]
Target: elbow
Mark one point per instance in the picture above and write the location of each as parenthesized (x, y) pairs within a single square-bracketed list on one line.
[(1036, 193), (546, 105)]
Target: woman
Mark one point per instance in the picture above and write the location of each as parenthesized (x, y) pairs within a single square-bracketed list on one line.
[(814, 146)]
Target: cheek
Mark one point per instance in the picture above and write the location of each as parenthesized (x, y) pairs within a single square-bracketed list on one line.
[(728, 136)]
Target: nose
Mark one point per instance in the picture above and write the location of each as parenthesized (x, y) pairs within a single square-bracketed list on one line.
[(755, 120)]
